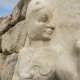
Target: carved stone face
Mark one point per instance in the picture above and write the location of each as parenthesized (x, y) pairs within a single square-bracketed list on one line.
[(39, 23)]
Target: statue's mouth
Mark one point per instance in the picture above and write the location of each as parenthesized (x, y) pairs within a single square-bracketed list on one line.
[(48, 31)]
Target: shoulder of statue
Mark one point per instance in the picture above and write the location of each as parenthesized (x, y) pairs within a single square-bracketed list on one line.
[(26, 51)]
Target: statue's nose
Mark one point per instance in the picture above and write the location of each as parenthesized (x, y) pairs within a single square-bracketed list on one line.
[(50, 27)]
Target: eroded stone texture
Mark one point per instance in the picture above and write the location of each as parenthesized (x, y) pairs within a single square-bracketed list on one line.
[(14, 39), (1, 19), (0, 44), (2, 60), (48, 42), (50, 52), (18, 14), (19, 11), (4, 25), (8, 68)]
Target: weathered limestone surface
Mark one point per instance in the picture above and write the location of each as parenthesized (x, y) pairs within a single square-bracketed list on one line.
[(44, 35), (0, 19), (61, 58), (0, 43), (18, 14), (8, 68), (2, 60), (13, 39), (4, 25)]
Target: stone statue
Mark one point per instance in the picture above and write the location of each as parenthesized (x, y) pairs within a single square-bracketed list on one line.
[(41, 41), (39, 33), (39, 59)]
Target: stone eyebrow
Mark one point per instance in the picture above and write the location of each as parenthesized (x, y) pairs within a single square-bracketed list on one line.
[(36, 9)]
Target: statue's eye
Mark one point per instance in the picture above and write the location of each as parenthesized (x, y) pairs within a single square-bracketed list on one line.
[(43, 18)]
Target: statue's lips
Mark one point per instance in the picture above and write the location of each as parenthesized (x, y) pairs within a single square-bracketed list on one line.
[(48, 32)]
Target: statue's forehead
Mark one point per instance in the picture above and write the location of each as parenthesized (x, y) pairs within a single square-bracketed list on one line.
[(38, 5), (37, 2)]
